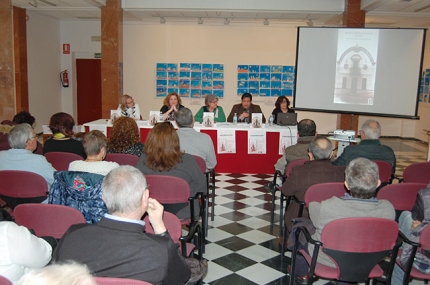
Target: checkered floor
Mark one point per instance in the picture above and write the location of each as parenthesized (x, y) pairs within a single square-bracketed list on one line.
[(240, 248)]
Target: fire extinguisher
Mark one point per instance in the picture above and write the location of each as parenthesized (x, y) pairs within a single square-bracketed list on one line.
[(64, 77)]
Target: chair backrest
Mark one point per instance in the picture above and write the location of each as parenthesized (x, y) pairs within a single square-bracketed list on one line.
[(122, 158), (61, 160), (47, 219), (5, 281), (323, 191), (22, 184), (293, 163), (417, 172), (401, 195), (119, 281), (363, 241), (172, 223), (384, 171), (201, 162)]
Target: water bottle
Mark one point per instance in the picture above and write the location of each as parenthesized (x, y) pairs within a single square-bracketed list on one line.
[(271, 120), (235, 119), (161, 117)]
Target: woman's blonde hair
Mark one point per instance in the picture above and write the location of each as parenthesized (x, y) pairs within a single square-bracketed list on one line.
[(123, 101)]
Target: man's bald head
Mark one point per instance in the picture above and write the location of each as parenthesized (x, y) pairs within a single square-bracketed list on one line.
[(321, 148)]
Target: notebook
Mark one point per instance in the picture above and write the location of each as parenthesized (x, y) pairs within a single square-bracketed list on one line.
[(287, 119)]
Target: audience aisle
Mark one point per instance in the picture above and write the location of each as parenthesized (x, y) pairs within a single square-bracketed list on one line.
[(240, 248)]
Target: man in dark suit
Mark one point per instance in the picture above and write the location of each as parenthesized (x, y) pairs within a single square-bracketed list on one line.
[(117, 246), (244, 110)]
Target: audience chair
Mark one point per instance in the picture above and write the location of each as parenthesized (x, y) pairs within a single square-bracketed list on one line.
[(122, 158), (385, 174), (61, 160), (5, 281), (47, 219), (417, 172), (350, 242), (424, 248), (19, 187), (401, 195), (274, 187), (187, 243), (174, 194), (316, 193), (119, 281)]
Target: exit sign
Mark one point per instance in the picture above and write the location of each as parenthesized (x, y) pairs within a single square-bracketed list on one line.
[(98, 55)]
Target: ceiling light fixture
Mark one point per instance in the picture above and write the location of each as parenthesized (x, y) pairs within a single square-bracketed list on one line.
[(266, 22), (200, 21), (162, 20), (226, 21)]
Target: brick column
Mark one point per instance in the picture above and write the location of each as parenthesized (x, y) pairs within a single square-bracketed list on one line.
[(112, 60), (353, 17), (20, 54)]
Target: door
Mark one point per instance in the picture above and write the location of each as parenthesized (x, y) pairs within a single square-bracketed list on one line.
[(89, 90)]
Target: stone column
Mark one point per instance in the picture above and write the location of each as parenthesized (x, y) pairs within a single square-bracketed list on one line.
[(353, 17), (112, 60), (20, 50)]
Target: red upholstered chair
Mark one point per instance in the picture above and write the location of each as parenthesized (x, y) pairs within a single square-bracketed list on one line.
[(417, 172), (174, 227), (385, 174), (18, 187), (61, 160), (5, 281), (350, 242), (47, 219), (119, 281), (122, 158)]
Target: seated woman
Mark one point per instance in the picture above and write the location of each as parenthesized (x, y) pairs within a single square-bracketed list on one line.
[(128, 108), (125, 137), (211, 102), (63, 139), (162, 155), (282, 105), (95, 147), (172, 103)]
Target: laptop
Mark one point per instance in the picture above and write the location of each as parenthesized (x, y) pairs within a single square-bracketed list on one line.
[(286, 119)]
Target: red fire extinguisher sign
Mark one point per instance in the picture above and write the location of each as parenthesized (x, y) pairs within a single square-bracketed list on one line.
[(66, 48)]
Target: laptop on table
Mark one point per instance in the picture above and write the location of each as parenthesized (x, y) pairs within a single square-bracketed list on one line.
[(286, 119)]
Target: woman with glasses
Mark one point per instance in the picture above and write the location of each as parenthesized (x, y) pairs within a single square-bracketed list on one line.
[(128, 108), (211, 102)]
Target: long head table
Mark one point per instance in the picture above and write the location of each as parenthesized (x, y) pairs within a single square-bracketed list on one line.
[(239, 162)]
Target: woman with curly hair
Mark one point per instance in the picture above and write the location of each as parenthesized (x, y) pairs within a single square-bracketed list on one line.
[(125, 137), (171, 104)]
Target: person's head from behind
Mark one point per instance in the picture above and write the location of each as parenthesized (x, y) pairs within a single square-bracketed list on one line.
[(24, 117), (124, 192), (172, 99), (94, 144), (320, 149), (211, 101), (307, 128), (124, 134), (69, 273), (184, 118), (362, 178), (282, 103), (22, 136), (370, 130), (126, 101), (62, 123), (246, 100), (162, 148)]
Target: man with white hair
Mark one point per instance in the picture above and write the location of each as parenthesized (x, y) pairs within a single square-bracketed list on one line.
[(23, 141), (370, 147), (118, 246)]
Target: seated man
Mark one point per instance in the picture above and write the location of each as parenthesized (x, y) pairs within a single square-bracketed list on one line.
[(193, 142), (244, 110), (361, 179), (306, 132), (23, 142), (117, 246), (318, 170), (369, 147)]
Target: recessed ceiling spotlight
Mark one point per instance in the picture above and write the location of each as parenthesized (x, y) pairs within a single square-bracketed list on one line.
[(266, 22), (200, 21), (162, 20), (226, 21)]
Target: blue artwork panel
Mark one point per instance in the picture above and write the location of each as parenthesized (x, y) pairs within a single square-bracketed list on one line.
[(170, 90), (207, 85), (161, 92), (206, 92), (242, 76), (196, 84), (218, 75), (185, 67), (242, 68), (287, 68), (265, 68), (254, 92), (173, 75), (218, 68), (172, 67), (206, 76), (287, 85), (219, 93), (265, 92), (264, 77), (161, 75), (275, 92), (240, 91), (276, 77), (196, 93), (161, 83), (254, 77), (173, 83), (242, 84), (254, 68), (275, 84), (184, 92), (287, 92), (196, 67), (196, 75), (184, 83), (184, 74), (161, 66), (218, 84), (207, 67), (276, 69), (254, 84), (264, 84)]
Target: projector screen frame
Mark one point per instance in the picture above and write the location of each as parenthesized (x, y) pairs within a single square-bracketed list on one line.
[(337, 110)]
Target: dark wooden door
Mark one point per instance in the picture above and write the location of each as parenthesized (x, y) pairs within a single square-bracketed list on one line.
[(89, 89)]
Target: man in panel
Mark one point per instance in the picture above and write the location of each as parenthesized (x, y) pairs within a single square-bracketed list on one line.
[(318, 170), (244, 110), (117, 246), (306, 132), (23, 141), (370, 147), (193, 142)]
